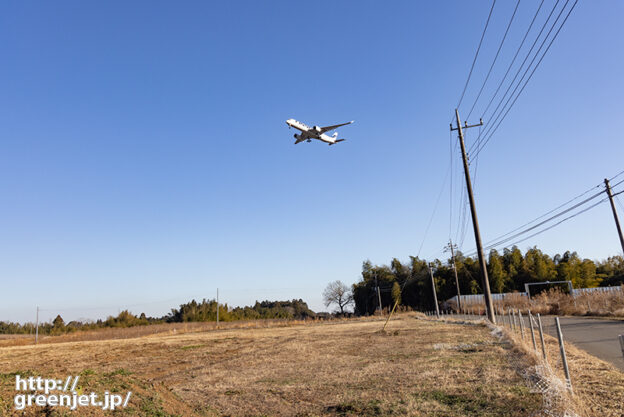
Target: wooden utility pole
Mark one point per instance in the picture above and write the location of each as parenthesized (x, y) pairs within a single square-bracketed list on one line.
[(435, 296), (37, 327), (485, 283), (615, 216), (378, 292), (450, 245), (217, 307)]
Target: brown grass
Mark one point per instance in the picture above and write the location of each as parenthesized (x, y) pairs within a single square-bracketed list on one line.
[(416, 368), (148, 330), (555, 302), (598, 386)]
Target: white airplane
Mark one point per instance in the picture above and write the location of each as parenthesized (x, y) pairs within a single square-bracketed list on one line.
[(315, 132)]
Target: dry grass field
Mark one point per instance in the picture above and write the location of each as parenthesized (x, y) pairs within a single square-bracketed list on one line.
[(599, 304), (344, 368), (598, 385)]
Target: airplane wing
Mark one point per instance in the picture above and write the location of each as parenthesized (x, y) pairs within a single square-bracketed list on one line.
[(329, 128)]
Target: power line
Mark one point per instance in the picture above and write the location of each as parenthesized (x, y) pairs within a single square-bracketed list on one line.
[(451, 186), (501, 241), (616, 175), (513, 60), (476, 54), (528, 54), (435, 208), (617, 199), (617, 183), (547, 213), (462, 213), (494, 61), (530, 76), (558, 223), (503, 238)]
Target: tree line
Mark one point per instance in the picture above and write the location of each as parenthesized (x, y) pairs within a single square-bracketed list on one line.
[(410, 282), (206, 310)]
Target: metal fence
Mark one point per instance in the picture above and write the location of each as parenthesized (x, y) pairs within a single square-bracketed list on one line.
[(579, 291), (473, 299)]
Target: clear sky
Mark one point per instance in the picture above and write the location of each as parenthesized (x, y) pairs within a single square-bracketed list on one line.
[(144, 158)]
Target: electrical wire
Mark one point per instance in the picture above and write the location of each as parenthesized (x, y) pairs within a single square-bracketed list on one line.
[(476, 55), (617, 200), (511, 84), (529, 78), (616, 184), (435, 208), (503, 238), (513, 60), (616, 175), (464, 220), (499, 241), (451, 186), (553, 225), (494, 61), (546, 214)]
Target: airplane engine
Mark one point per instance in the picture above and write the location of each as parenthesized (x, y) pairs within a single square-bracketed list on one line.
[(296, 136), (318, 129)]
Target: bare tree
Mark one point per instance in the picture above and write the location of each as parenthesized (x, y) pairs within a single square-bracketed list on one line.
[(338, 293)]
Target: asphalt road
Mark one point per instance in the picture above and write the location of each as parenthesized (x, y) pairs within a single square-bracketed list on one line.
[(599, 337)]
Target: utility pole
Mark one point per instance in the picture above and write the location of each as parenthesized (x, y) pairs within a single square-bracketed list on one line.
[(378, 292), (615, 216), (487, 296), (452, 247), (37, 327), (435, 296), (217, 307)]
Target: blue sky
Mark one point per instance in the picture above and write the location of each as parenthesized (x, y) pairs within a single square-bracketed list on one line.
[(144, 157)]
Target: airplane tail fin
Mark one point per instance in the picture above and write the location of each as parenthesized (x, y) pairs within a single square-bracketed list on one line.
[(335, 135)]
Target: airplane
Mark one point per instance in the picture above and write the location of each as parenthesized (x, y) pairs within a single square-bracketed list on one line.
[(315, 132)]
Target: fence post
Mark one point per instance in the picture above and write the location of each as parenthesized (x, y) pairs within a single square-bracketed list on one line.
[(564, 360), (621, 337), (515, 320), (532, 334), (511, 326), (521, 324), (539, 323)]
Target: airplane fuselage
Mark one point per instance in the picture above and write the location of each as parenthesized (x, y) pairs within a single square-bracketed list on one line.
[(308, 133)]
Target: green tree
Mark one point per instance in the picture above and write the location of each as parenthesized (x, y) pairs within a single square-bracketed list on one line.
[(58, 322), (513, 262), (611, 271), (538, 267), (496, 272)]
